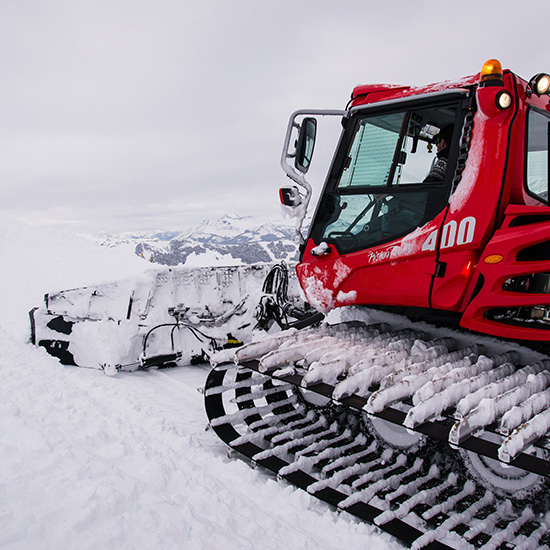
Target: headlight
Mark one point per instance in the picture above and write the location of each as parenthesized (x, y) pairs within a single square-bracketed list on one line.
[(540, 84), (503, 99)]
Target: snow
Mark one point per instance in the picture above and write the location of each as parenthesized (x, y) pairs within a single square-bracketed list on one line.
[(489, 409), (450, 396), (210, 258), (426, 495), (380, 480), (90, 461), (475, 158), (519, 414), (452, 521), (318, 295), (37, 260), (524, 435)]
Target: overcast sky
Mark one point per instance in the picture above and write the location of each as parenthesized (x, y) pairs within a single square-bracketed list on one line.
[(126, 115)]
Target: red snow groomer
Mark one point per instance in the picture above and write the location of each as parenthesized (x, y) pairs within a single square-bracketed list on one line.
[(435, 206), (468, 237)]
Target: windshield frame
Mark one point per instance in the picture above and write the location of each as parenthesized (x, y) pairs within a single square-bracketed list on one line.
[(529, 139), (460, 99)]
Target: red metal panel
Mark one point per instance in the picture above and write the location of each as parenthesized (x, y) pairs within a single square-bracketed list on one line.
[(508, 242), (474, 204), (395, 273)]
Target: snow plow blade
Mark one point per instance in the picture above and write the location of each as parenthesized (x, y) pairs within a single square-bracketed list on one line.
[(167, 317), (356, 445)]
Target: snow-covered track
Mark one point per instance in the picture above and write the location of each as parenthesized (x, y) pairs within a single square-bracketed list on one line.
[(417, 481)]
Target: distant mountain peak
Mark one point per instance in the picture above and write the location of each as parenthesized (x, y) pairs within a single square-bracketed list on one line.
[(229, 239)]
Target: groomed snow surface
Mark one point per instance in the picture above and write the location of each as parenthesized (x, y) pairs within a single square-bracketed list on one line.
[(90, 461)]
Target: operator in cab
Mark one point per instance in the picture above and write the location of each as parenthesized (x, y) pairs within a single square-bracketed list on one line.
[(439, 165)]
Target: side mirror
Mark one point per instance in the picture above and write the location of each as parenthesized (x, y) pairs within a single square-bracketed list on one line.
[(290, 196), (305, 144)]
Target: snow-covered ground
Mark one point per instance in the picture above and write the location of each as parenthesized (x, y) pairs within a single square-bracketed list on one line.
[(90, 461)]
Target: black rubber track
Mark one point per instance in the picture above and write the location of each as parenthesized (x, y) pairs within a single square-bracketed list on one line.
[(226, 432)]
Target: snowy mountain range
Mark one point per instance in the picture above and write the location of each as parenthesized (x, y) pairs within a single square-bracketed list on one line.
[(230, 240)]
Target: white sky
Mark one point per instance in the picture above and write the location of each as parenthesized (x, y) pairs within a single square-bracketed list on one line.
[(126, 115)]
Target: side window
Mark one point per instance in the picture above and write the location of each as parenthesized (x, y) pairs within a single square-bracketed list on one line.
[(427, 145), (420, 157), (537, 155)]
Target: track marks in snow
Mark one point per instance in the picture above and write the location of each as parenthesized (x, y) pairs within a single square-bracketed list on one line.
[(97, 462)]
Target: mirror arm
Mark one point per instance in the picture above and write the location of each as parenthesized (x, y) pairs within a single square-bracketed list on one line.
[(300, 211)]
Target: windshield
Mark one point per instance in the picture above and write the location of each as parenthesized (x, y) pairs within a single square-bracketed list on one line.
[(363, 220), (372, 150), (390, 178)]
